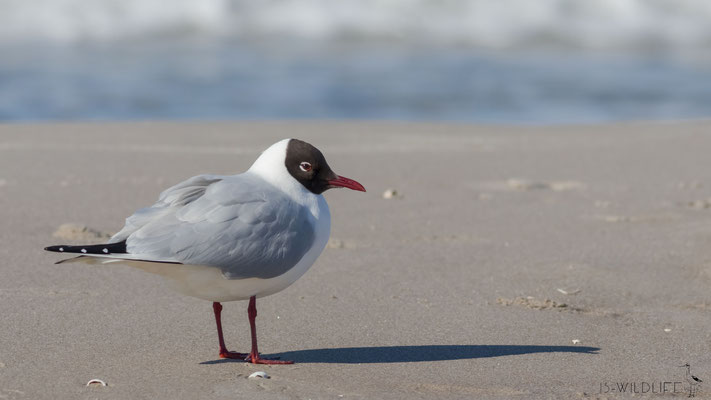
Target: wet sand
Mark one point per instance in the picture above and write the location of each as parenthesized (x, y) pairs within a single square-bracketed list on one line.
[(513, 262)]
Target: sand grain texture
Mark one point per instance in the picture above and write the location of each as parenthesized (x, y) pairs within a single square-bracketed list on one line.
[(403, 302)]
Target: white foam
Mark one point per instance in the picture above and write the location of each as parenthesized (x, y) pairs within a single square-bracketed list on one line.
[(99, 20), (598, 24)]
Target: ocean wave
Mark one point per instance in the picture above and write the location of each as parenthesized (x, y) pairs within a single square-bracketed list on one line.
[(500, 24)]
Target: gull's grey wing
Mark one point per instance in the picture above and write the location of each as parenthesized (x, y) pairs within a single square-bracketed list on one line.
[(176, 196), (240, 224)]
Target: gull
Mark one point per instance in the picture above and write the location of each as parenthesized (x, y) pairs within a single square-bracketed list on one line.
[(232, 237)]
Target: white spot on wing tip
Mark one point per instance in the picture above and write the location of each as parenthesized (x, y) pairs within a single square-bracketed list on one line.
[(61, 249), (106, 250), (83, 250)]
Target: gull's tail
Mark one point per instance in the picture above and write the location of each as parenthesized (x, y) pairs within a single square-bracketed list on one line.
[(116, 253)]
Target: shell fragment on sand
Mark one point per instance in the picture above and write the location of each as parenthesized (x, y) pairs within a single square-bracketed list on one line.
[(259, 374)]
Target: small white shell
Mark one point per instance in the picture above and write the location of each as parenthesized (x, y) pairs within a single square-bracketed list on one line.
[(576, 341), (259, 374), (95, 381)]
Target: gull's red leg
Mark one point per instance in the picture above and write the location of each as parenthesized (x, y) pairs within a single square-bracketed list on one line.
[(217, 308), (253, 356)]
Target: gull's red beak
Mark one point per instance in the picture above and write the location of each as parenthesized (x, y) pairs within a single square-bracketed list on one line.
[(342, 181)]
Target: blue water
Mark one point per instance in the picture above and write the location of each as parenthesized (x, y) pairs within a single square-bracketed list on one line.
[(500, 61), (359, 80)]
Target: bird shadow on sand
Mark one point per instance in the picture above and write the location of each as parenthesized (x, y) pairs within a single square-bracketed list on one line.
[(400, 354)]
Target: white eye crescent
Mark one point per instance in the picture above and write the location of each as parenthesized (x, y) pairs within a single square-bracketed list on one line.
[(305, 166)]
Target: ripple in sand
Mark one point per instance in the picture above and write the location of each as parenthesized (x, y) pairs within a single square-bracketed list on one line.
[(80, 233), (531, 302), (556, 186)]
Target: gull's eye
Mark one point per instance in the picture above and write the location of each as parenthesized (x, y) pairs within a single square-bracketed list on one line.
[(306, 167)]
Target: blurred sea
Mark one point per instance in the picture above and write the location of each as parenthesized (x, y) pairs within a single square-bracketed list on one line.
[(493, 61)]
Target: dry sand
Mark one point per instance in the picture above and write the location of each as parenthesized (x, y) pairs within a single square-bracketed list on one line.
[(453, 288)]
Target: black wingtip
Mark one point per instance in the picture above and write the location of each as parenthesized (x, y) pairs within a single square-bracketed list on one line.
[(55, 248), (106, 248)]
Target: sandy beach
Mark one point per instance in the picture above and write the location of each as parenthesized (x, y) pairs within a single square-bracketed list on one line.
[(514, 262)]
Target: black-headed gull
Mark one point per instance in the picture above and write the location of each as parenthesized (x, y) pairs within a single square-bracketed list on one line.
[(226, 238)]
